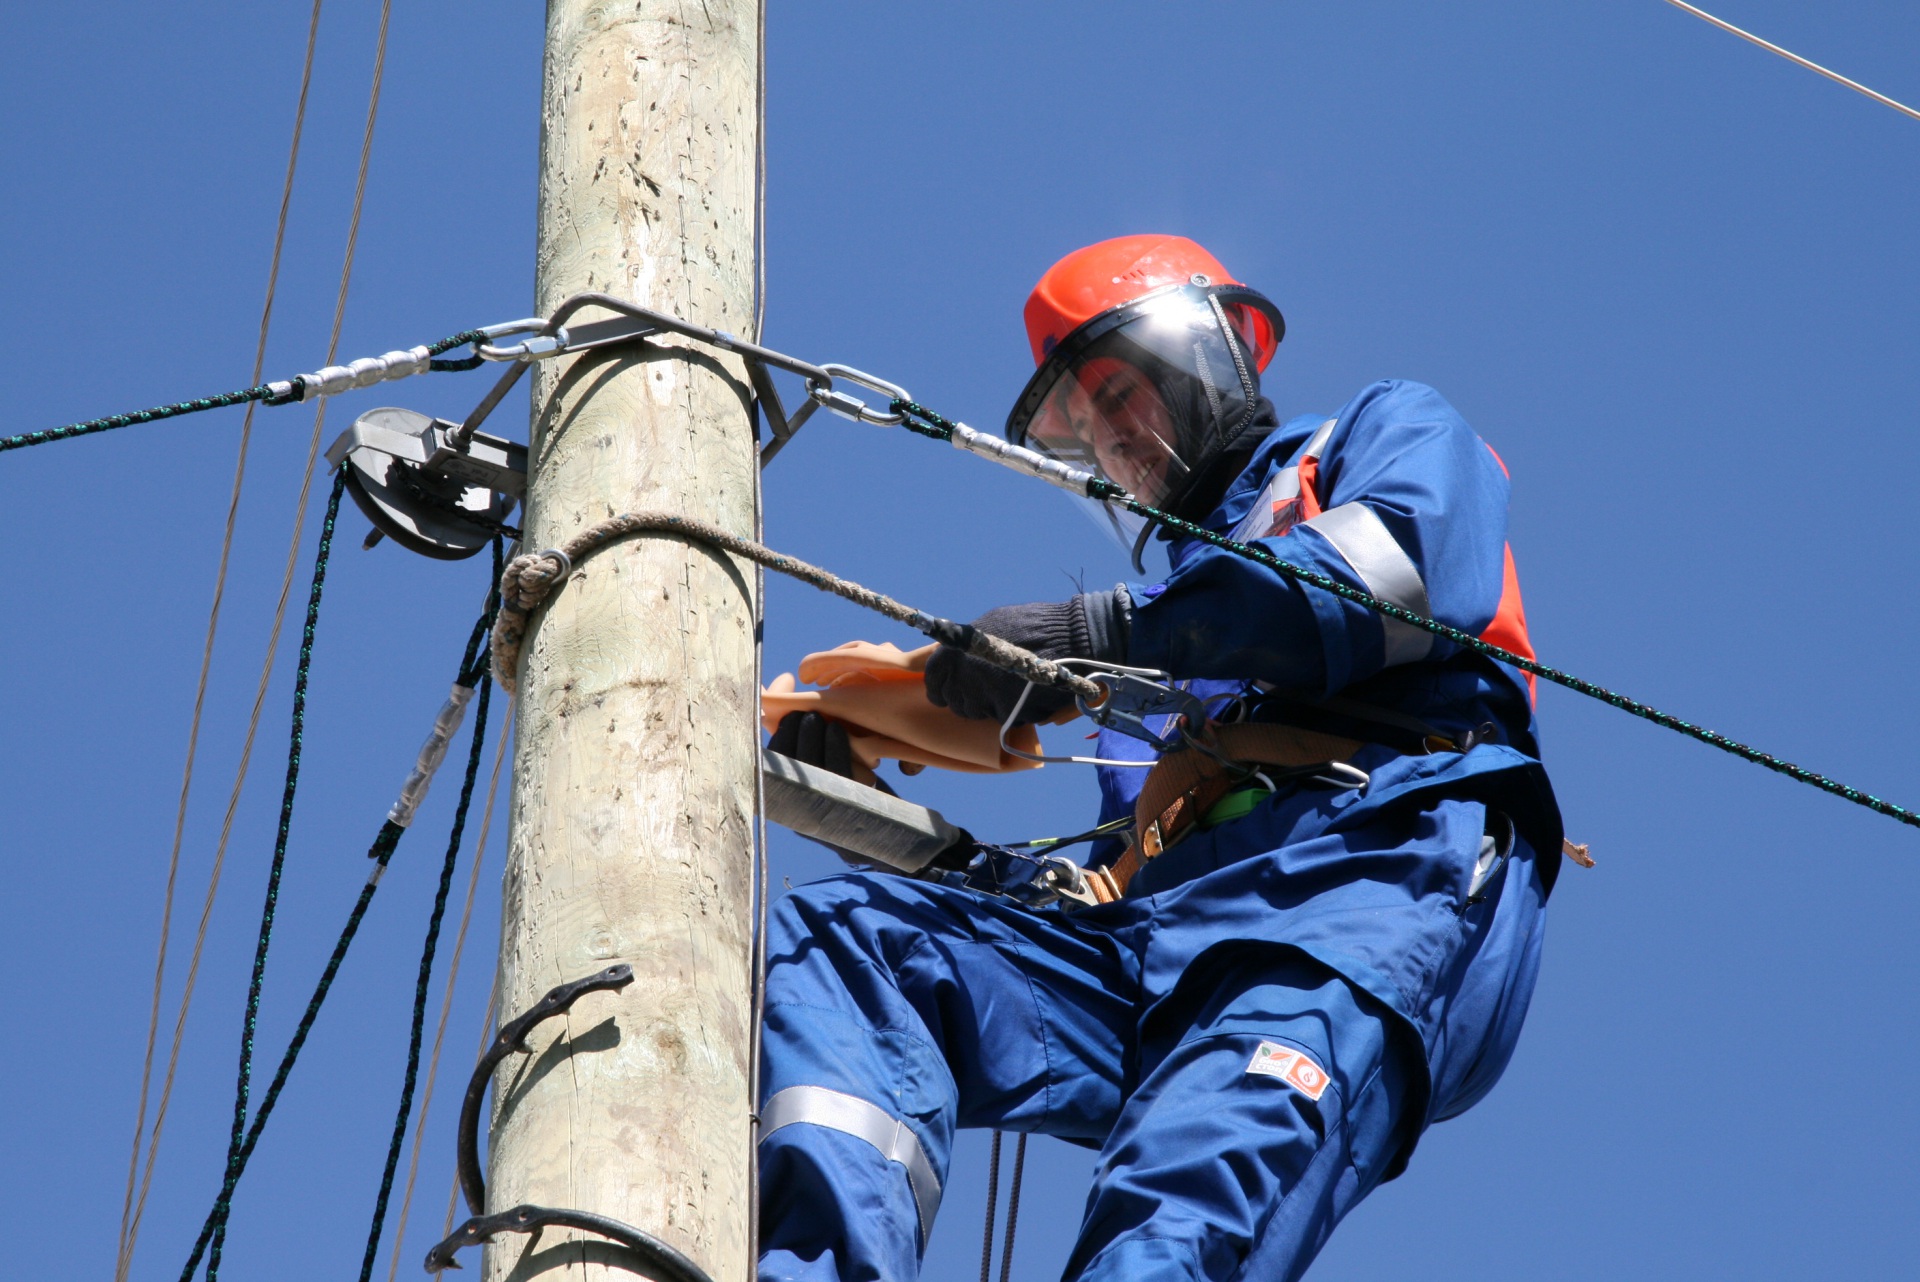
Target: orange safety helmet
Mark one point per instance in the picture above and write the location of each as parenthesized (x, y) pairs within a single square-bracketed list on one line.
[(1090, 282), (1148, 357)]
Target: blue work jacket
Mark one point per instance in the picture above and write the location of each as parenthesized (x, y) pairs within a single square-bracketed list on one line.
[(1403, 500)]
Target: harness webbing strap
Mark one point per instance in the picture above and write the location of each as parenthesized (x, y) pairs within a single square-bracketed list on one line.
[(850, 1115)]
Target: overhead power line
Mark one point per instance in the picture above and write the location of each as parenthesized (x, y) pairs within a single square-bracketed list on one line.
[(1795, 58), (129, 1220)]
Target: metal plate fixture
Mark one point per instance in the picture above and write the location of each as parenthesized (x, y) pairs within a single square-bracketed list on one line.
[(876, 825), (424, 487)]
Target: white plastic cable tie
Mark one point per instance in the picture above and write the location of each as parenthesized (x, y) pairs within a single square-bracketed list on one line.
[(432, 753), (1023, 460)]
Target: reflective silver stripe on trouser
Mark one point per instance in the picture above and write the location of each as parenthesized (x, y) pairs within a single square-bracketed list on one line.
[(818, 1106), (1358, 534)]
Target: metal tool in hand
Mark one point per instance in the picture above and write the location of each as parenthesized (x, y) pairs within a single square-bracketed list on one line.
[(1128, 697)]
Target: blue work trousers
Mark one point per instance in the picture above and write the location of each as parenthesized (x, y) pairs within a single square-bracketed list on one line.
[(899, 1010)]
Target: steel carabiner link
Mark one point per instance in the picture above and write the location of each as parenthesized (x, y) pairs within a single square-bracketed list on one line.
[(849, 406)]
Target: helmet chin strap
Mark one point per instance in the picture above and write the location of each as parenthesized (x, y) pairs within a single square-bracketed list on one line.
[(1140, 547)]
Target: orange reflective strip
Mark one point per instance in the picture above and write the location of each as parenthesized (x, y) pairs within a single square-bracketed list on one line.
[(1310, 487)]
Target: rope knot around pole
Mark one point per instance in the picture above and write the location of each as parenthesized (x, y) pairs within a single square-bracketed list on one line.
[(529, 580), (525, 585)]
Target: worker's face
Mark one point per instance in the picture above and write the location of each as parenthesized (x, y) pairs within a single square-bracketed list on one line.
[(1115, 412)]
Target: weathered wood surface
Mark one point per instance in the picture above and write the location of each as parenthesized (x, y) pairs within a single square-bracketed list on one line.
[(634, 769)]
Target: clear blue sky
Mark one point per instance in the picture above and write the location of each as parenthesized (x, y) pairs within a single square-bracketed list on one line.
[(1671, 278)]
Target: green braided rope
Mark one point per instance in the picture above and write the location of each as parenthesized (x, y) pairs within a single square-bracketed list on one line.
[(939, 428), (250, 1024), (474, 669), (263, 394), (384, 844)]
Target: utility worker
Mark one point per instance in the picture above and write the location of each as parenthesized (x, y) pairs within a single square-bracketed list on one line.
[(1306, 952)]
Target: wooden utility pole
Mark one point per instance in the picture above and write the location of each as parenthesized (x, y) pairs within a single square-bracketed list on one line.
[(634, 770)]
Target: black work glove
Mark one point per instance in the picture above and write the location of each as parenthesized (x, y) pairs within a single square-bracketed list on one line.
[(1093, 625), (810, 737)]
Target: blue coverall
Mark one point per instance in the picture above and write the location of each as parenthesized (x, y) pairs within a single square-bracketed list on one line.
[(1330, 927)]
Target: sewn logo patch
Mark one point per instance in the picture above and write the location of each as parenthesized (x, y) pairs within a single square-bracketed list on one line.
[(1291, 1067)]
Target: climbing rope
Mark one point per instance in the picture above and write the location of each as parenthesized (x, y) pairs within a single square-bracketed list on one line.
[(1013, 1208), (530, 579), (249, 1024), (473, 671), (993, 1205), (924, 421)]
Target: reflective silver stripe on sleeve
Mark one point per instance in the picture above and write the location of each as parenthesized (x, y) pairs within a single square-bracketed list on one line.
[(1358, 534), (818, 1106), (1318, 444)]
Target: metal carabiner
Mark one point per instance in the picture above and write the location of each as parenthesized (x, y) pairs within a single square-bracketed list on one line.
[(849, 406), (533, 349), (1134, 694)]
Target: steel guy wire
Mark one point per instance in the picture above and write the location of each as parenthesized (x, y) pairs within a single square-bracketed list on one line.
[(360, 373), (926, 422), (123, 1259)]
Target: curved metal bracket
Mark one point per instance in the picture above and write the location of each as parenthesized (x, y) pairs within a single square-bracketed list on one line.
[(661, 1258), (512, 1038)]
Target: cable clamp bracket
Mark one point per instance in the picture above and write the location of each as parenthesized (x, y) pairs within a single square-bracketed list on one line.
[(433, 487), (511, 1040)]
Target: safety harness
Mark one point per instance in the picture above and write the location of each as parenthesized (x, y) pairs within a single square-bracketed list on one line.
[(1185, 785)]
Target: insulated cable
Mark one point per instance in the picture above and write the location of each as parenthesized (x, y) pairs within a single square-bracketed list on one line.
[(1795, 58)]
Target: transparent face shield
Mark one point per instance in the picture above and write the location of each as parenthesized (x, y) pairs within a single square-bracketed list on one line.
[(1147, 395)]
